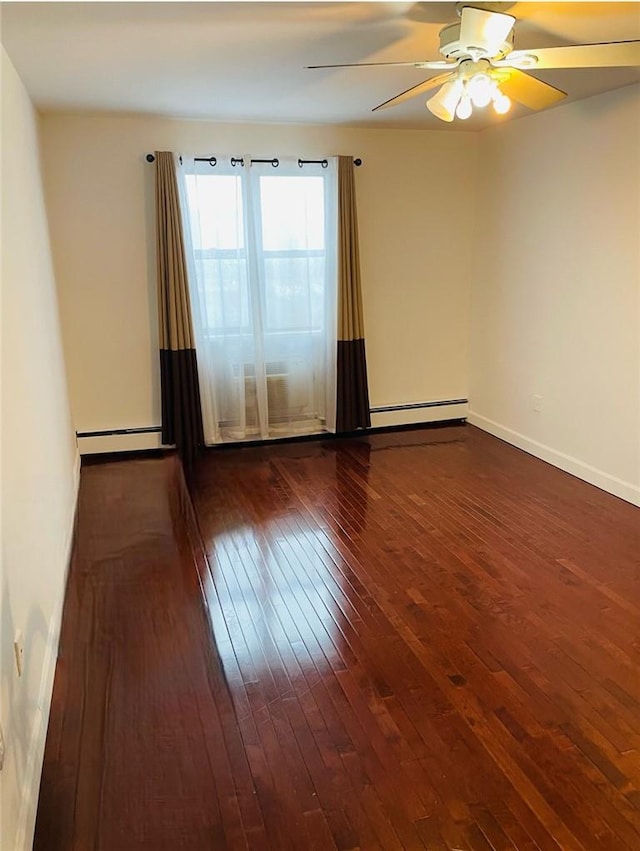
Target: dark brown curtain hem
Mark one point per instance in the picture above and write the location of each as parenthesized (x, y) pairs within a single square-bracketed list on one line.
[(352, 410), (181, 411)]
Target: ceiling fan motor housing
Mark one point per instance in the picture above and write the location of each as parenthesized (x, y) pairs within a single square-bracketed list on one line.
[(451, 48)]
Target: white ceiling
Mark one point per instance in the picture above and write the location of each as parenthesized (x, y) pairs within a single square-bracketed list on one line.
[(246, 61)]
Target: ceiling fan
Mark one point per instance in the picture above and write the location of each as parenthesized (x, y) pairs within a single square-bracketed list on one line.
[(481, 66)]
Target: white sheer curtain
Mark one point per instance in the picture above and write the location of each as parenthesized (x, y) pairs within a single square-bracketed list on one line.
[(262, 246)]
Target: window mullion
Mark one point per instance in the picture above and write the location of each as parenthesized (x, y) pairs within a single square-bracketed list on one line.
[(256, 288)]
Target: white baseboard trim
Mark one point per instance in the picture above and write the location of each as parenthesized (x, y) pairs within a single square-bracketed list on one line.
[(35, 756), (604, 481)]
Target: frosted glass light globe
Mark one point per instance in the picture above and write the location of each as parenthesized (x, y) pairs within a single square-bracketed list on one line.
[(480, 88), (463, 110), (502, 104)]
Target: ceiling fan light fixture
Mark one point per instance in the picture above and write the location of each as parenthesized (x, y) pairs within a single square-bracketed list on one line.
[(501, 103), (443, 104), (464, 108), (481, 88)]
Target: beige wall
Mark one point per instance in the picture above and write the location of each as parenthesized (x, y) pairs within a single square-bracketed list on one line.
[(415, 238), (556, 309), (555, 274), (39, 466), (538, 216)]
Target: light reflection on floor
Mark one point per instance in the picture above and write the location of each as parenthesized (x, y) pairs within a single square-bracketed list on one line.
[(283, 593)]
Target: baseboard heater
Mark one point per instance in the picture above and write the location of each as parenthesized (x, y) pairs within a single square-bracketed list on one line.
[(410, 406), (113, 431), (379, 409)]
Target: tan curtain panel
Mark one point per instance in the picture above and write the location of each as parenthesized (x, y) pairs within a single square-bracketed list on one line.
[(352, 405), (181, 410)]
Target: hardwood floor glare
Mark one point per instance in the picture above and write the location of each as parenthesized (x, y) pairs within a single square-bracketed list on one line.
[(412, 640)]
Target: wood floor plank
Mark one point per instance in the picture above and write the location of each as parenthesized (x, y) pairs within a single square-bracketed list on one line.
[(416, 640)]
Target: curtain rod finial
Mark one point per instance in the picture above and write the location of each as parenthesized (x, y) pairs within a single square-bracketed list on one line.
[(150, 158), (357, 161)]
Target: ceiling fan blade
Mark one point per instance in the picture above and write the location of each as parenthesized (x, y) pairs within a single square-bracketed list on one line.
[(529, 91), (615, 54), (437, 65), (484, 30), (432, 83)]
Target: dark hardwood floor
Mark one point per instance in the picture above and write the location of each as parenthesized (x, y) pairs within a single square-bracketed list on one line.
[(415, 640)]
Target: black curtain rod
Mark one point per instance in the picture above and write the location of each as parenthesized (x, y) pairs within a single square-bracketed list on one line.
[(240, 161)]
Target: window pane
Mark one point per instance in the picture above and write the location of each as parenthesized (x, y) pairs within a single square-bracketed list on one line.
[(215, 211), (224, 281), (292, 211), (294, 293), (217, 225)]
